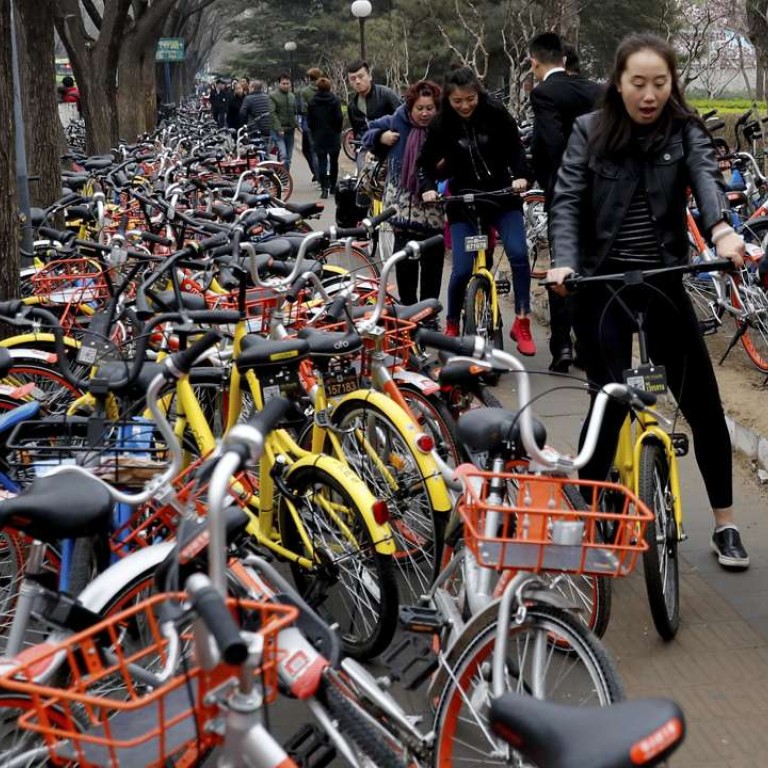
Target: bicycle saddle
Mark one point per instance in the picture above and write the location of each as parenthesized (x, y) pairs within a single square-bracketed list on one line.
[(414, 312), (64, 506), (167, 300), (258, 351), (496, 429), (304, 209), (330, 343), (624, 735), (277, 248)]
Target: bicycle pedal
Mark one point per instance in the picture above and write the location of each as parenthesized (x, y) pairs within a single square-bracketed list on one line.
[(503, 287), (680, 443), (411, 662), (310, 747), (420, 619), (709, 326)]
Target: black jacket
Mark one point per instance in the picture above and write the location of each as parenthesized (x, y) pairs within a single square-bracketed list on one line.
[(483, 153), (325, 121), (379, 102), (592, 195), (219, 100), (256, 112), (233, 111), (556, 103)]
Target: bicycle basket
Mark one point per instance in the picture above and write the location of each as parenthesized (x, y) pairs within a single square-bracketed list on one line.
[(539, 526), (71, 282), (126, 453), (107, 716)]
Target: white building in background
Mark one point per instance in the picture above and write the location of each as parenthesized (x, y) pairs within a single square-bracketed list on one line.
[(729, 66)]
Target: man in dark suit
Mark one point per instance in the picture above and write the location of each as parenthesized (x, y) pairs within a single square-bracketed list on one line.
[(556, 102)]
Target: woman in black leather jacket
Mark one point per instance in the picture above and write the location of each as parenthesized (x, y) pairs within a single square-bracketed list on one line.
[(619, 204)]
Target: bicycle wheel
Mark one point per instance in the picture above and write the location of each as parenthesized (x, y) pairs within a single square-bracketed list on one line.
[(750, 296), (536, 234), (383, 458), (347, 139), (12, 558), (434, 419), (549, 647), (478, 317), (350, 583), (355, 261), (46, 386), (283, 175), (660, 560), (703, 297)]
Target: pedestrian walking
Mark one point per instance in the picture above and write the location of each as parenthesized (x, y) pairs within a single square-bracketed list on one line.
[(556, 102), (257, 111), (325, 120), (284, 130)]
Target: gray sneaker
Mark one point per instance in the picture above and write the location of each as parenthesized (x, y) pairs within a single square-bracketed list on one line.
[(729, 550)]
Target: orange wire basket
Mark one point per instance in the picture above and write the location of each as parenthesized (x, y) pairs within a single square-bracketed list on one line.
[(397, 346), (72, 282), (536, 527), (153, 523), (106, 716)]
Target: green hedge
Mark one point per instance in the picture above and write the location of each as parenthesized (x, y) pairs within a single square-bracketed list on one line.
[(727, 106)]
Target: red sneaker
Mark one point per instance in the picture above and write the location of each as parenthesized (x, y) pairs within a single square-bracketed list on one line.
[(451, 327), (520, 332)]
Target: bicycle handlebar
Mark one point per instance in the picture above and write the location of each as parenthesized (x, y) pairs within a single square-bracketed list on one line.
[(546, 458)]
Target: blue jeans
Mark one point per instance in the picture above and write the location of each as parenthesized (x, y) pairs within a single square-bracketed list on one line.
[(511, 229), (284, 143)]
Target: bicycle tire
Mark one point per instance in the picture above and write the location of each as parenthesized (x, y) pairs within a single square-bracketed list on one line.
[(357, 261), (410, 508), (752, 297), (51, 390), (283, 174), (596, 682), (354, 725), (346, 144), (350, 561), (536, 234), (478, 318), (660, 560), (435, 419)]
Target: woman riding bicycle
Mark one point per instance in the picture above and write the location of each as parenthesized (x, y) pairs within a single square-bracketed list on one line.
[(474, 143), (620, 204)]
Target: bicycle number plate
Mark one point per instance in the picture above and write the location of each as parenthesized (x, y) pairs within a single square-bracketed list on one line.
[(475, 243), (648, 378), (338, 384)]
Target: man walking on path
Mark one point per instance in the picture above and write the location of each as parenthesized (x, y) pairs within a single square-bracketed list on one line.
[(284, 130), (556, 103), (305, 96), (370, 100), (219, 102), (257, 111)]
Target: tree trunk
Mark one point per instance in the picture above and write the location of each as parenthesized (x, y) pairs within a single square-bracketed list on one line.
[(9, 215), (41, 115), (137, 103)]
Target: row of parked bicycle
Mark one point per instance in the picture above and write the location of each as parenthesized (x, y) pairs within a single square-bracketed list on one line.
[(203, 383)]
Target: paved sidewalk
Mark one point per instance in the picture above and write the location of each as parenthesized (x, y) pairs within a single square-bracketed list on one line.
[(717, 667)]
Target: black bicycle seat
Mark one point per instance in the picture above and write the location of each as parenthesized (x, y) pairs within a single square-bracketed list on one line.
[(496, 429), (624, 735)]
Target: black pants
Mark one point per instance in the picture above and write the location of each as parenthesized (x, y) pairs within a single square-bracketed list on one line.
[(327, 168), (308, 152), (604, 335), (425, 273), (559, 323)]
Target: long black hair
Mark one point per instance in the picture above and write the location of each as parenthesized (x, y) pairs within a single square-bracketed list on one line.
[(613, 133), (460, 77)]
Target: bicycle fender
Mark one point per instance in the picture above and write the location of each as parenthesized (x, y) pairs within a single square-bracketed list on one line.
[(27, 339), (439, 498), (655, 434), (121, 573), (418, 380), (346, 477)]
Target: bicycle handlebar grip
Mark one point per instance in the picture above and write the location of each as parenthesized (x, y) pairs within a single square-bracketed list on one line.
[(293, 292), (744, 117), (707, 115), (213, 611), (270, 415), (383, 216), (62, 235), (342, 232), (93, 245), (431, 242), (11, 307), (335, 311), (180, 363), (151, 237), (213, 316), (72, 197), (461, 345), (646, 398)]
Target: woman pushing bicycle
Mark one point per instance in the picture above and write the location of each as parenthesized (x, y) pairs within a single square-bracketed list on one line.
[(620, 205), (474, 143)]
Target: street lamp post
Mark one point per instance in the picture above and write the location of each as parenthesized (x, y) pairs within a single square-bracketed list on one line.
[(362, 10), (290, 48)]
